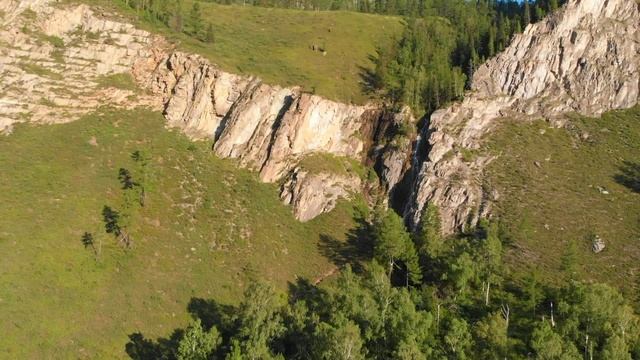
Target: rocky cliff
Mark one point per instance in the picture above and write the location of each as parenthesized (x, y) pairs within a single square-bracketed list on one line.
[(54, 62), (58, 58), (267, 128), (584, 58)]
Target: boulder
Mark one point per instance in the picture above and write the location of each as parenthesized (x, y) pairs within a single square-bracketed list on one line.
[(312, 194)]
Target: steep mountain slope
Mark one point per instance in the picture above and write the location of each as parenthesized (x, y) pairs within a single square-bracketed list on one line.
[(62, 61), (584, 58), (65, 59), (569, 185), (207, 229)]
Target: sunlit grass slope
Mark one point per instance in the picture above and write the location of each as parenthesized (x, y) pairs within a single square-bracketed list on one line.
[(276, 44), (205, 230), (567, 185)]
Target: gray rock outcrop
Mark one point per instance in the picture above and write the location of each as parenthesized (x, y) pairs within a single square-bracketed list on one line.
[(196, 95), (597, 244), (267, 128), (312, 194), (584, 58), (54, 60)]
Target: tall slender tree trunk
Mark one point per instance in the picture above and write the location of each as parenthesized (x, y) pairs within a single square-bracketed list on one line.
[(486, 297)]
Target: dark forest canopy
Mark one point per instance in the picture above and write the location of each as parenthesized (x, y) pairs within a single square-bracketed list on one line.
[(397, 7), (412, 297)]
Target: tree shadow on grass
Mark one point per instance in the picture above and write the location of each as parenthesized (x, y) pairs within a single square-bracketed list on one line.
[(629, 176), (369, 80), (356, 249), (303, 289), (141, 348), (210, 312)]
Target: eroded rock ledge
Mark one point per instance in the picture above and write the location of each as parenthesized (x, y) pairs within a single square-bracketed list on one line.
[(69, 49), (53, 61), (267, 128)]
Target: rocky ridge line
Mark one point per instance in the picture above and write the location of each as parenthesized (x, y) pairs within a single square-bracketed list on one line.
[(584, 58), (53, 59), (267, 128)]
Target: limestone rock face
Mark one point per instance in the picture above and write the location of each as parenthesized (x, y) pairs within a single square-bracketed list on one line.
[(266, 127), (262, 125), (55, 71), (583, 58), (312, 194), (196, 94), (53, 58), (251, 124), (312, 124)]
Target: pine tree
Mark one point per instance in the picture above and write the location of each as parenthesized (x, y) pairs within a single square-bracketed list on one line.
[(126, 179), (111, 221), (195, 19), (569, 261), (429, 238), (532, 291), (259, 321), (142, 161), (527, 13), (198, 344), (458, 338), (340, 342), (547, 344), (616, 348), (539, 13), (491, 332), (391, 239), (517, 27), (89, 242), (209, 37), (491, 41), (461, 271)]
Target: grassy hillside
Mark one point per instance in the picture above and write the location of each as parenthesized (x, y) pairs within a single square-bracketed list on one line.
[(276, 44), (558, 186), (205, 229)]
